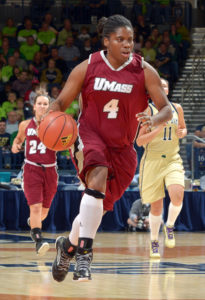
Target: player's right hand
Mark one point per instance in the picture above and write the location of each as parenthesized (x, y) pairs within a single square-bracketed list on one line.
[(16, 148)]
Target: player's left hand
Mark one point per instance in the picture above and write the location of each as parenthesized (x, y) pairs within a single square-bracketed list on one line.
[(179, 133)]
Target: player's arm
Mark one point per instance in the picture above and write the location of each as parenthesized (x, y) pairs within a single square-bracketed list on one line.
[(145, 137), (156, 92), (21, 135), (181, 130), (71, 89)]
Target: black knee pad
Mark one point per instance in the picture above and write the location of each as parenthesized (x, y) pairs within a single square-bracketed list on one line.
[(94, 193)]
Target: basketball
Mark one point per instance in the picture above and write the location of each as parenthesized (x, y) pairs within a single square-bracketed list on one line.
[(58, 131)]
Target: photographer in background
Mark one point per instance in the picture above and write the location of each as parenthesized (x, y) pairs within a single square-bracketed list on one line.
[(138, 217)]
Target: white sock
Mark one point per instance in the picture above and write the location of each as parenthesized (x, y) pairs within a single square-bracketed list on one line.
[(90, 216), (173, 214), (154, 222), (74, 234)]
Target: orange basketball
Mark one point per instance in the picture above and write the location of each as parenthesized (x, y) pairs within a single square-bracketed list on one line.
[(58, 131)]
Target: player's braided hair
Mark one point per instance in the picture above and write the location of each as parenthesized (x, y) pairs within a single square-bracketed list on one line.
[(106, 26)]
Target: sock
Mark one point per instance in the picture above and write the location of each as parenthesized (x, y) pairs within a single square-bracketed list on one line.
[(154, 222), (90, 216), (84, 245), (36, 234), (74, 234), (173, 214)]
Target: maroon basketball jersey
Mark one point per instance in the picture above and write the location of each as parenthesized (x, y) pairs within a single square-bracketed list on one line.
[(35, 150), (112, 98)]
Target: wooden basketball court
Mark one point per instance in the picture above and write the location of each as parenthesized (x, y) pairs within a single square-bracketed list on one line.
[(121, 269)]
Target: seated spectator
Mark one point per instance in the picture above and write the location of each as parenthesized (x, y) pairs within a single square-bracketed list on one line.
[(38, 64), (7, 70), (156, 37), (12, 122), (138, 216), (54, 92), (60, 63), (174, 57), (20, 109), (142, 27), (48, 19), (51, 74), (30, 94), (10, 104), (44, 52), (70, 54), (10, 29), (27, 31), (149, 52), (186, 39), (16, 73), (22, 84), (163, 60), (86, 50), (65, 32), (20, 62), (45, 35), (95, 42), (5, 145), (29, 49), (84, 34), (5, 49)]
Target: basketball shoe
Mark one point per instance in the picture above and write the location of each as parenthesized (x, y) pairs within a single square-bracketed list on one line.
[(154, 249), (83, 261), (42, 248), (61, 263), (169, 236)]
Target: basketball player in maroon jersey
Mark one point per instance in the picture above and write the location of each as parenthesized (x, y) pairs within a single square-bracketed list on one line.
[(113, 84), (39, 172)]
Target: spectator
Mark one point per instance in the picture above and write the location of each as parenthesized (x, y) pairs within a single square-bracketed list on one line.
[(38, 64), (5, 145), (149, 52), (199, 152), (143, 29), (22, 84), (16, 73), (60, 63), (65, 33), (45, 35), (5, 49), (7, 71), (186, 40), (31, 94), (86, 50), (95, 42), (29, 49), (44, 52), (51, 74), (10, 29), (54, 92), (20, 109), (70, 53), (163, 60), (48, 19), (12, 122), (27, 32), (84, 34), (97, 8), (20, 62), (138, 216), (156, 37), (10, 104)]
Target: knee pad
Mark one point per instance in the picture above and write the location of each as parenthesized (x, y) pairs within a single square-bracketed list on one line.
[(94, 193)]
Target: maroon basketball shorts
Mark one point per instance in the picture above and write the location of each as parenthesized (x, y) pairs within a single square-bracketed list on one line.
[(121, 164), (39, 184)]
